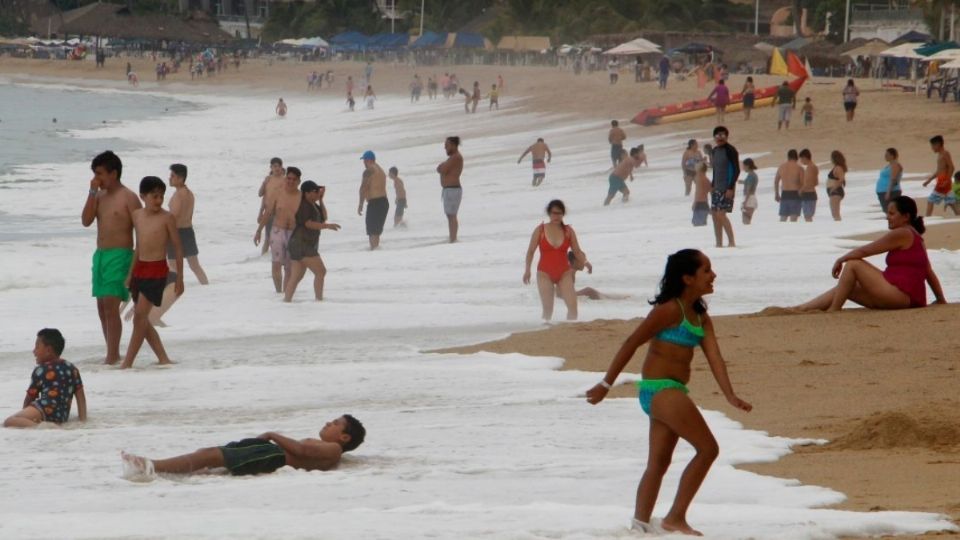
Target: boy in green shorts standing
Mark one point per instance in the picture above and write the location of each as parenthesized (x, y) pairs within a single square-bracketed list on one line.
[(111, 205)]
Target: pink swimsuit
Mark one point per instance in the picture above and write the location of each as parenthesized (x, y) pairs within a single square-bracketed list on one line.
[(907, 270)]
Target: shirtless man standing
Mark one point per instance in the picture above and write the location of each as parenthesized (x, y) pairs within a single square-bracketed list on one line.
[(451, 191), (791, 174), (111, 204), (808, 189), (538, 151), (264, 454), (615, 137), (281, 208), (622, 170), (373, 190), (942, 192), (281, 108), (181, 206), (273, 182)]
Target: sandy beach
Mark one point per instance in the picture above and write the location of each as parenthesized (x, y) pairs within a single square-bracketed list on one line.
[(880, 387)]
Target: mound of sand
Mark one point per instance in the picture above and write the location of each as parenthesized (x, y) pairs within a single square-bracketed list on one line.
[(899, 430)]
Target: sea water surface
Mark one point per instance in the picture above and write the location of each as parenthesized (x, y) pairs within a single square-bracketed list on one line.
[(495, 446)]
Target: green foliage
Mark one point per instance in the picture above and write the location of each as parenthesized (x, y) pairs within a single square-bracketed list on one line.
[(11, 26), (819, 22)]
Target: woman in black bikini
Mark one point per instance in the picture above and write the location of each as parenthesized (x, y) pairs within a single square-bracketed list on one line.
[(836, 181)]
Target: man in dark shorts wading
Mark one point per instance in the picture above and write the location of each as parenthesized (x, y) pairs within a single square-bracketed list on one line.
[(451, 191), (111, 205), (181, 206), (264, 454), (373, 190), (726, 171)]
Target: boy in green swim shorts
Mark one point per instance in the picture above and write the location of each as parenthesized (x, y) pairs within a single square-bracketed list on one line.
[(111, 205)]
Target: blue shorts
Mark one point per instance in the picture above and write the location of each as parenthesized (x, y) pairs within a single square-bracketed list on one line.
[(616, 152), (790, 205), (882, 198), (616, 184), (700, 211), (808, 204), (719, 201), (945, 198)]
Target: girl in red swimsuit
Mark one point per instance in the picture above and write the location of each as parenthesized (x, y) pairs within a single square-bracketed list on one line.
[(554, 239), (902, 284)]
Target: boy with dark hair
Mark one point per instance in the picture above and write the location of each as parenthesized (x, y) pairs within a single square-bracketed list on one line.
[(111, 205), (181, 206), (53, 385), (725, 161), (155, 228), (264, 454), (942, 192), (401, 199)]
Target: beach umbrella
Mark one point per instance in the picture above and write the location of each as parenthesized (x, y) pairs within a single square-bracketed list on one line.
[(946, 54), (904, 50), (952, 64), (696, 48), (634, 47), (873, 48), (934, 48)]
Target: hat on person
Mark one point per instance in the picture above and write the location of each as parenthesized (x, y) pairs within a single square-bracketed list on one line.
[(369, 155), (309, 186)]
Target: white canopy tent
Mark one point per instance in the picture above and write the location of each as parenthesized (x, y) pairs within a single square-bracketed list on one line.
[(307, 42), (952, 64), (904, 50), (945, 55), (634, 47)]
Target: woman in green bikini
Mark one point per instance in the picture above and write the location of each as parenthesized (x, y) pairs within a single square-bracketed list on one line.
[(663, 392)]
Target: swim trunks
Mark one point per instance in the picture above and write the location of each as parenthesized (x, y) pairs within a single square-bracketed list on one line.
[(616, 184), (279, 240), (944, 184), (539, 167), (748, 100), (451, 197), (849, 105), (110, 269), (719, 201), (647, 388), (616, 152), (808, 204), (377, 210), (790, 204), (52, 386), (783, 113), (946, 198), (149, 278), (700, 211), (401, 205), (252, 456), (188, 243)]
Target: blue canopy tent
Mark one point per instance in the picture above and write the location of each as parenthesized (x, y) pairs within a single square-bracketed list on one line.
[(430, 40), (350, 41), (913, 36), (466, 40), (383, 42)]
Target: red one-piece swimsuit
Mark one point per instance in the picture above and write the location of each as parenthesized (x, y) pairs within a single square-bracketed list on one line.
[(553, 259)]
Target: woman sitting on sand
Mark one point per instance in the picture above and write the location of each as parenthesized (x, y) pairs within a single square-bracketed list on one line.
[(553, 270), (673, 335), (902, 284)]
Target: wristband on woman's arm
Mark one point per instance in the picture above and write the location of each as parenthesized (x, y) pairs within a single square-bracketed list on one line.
[(604, 384)]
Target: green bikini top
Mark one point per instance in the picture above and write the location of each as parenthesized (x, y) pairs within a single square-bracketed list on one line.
[(684, 334)]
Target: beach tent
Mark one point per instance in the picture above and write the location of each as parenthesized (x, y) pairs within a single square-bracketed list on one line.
[(631, 48), (430, 40), (934, 48), (532, 43), (307, 43), (388, 41), (467, 40), (952, 64), (696, 48), (872, 48), (913, 37), (945, 55), (350, 41), (904, 50)]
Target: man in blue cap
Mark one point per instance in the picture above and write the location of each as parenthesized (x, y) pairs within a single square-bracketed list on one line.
[(373, 190)]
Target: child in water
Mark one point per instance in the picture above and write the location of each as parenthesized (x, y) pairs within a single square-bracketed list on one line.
[(350, 101), (807, 111), (749, 191), (700, 206)]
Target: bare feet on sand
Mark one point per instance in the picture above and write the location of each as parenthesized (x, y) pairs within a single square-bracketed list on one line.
[(136, 468), (679, 527)]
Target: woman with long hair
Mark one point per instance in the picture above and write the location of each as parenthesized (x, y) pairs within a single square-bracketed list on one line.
[(902, 284), (688, 164), (836, 181), (673, 335), (554, 239), (304, 243)]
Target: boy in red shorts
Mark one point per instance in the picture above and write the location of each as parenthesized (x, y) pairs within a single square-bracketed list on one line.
[(155, 228), (53, 385)]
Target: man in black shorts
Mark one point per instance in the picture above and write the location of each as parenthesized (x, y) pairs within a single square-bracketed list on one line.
[(373, 190), (264, 454), (726, 169)]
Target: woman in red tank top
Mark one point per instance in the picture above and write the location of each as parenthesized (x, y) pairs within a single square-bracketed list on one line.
[(554, 239), (902, 284)]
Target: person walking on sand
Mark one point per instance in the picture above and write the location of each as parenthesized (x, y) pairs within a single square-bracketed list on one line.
[(111, 205), (850, 95), (401, 197), (790, 173), (749, 95), (720, 96), (901, 285), (888, 183), (615, 137), (750, 183), (451, 190), (786, 100), (155, 228), (272, 184), (311, 218), (673, 336), (281, 208), (181, 206), (942, 191), (688, 164), (808, 188), (836, 182), (554, 239), (726, 171), (373, 190), (664, 72), (281, 108), (538, 151)]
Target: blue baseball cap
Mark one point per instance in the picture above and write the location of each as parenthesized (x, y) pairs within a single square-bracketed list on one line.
[(369, 155)]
